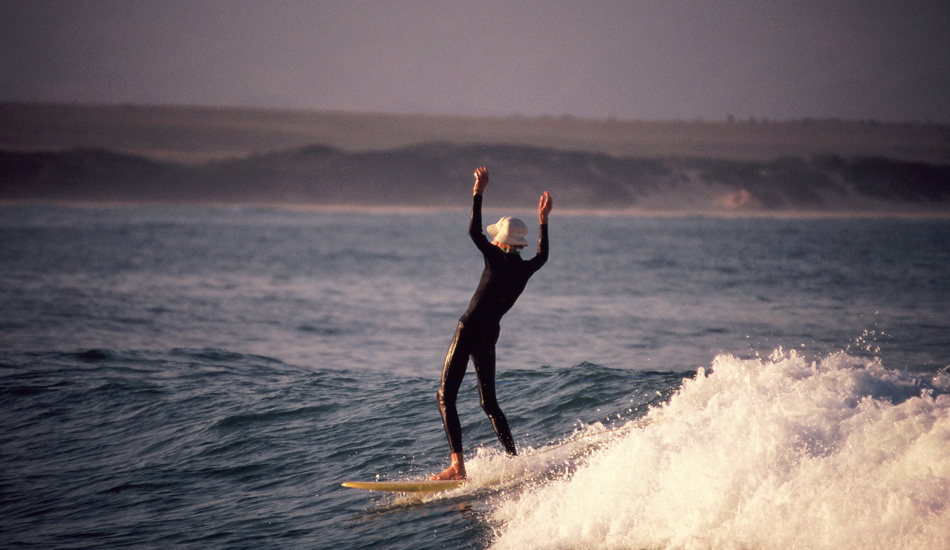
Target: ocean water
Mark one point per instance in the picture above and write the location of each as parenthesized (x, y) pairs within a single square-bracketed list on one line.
[(206, 378)]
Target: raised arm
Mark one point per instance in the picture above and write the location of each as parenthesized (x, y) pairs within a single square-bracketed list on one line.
[(544, 209), (475, 223)]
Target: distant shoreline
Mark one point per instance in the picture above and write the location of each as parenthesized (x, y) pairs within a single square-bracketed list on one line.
[(524, 212), (195, 134), (195, 155), (437, 175)]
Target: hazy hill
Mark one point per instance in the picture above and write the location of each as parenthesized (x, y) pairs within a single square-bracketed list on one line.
[(122, 153), (196, 134), (439, 174)]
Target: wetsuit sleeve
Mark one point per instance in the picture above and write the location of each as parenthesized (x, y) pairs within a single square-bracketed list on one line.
[(542, 255), (475, 225)]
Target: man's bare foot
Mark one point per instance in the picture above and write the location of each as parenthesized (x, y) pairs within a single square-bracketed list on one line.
[(450, 473), (456, 469)]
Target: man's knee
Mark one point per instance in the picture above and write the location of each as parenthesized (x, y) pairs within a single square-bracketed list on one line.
[(490, 406), (444, 400)]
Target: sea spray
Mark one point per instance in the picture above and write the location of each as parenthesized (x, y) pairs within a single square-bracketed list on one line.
[(761, 453)]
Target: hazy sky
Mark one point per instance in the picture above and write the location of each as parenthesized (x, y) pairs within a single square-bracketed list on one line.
[(662, 59)]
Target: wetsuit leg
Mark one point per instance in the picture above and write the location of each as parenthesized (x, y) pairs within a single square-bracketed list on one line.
[(456, 361), (483, 357)]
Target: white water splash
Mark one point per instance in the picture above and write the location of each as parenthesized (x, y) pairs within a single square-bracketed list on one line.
[(778, 453)]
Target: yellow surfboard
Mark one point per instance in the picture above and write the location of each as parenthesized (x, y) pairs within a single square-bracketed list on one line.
[(497, 478), (418, 486)]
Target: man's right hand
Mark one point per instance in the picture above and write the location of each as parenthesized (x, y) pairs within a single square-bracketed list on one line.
[(481, 180)]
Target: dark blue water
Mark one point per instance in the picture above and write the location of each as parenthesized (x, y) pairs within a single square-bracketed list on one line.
[(207, 377)]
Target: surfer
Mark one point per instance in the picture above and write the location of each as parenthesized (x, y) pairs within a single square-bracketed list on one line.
[(503, 280)]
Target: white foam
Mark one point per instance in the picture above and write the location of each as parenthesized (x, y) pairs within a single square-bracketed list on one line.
[(761, 454)]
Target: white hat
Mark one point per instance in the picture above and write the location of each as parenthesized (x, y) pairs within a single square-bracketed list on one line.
[(510, 231)]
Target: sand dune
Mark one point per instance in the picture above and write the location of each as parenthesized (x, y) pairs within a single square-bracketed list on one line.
[(206, 155), (195, 134)]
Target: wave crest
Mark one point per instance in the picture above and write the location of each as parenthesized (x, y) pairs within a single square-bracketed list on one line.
[(761, 453)]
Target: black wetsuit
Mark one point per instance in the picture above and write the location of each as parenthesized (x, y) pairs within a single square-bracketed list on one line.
[(503, 280)]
